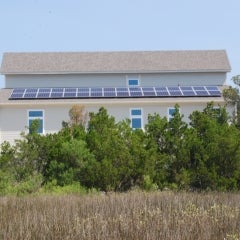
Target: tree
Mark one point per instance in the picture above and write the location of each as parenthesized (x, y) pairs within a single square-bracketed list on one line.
[(78, 115), (214, 150), (232, 97)]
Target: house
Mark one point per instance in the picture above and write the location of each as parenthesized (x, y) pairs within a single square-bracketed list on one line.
[(130, 85)]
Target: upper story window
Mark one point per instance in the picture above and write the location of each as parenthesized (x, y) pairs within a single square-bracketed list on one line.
[(136, 118), (133, 82), (36, 115)]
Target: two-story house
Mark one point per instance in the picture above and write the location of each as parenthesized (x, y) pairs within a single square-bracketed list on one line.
[(132, 84)]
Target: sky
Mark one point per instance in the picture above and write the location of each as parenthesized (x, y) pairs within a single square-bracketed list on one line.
[(121, 25)]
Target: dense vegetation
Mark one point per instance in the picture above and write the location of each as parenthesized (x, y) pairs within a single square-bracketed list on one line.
[(133, 215), (107, 155)]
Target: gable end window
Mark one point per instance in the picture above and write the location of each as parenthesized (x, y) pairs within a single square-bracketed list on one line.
[(136, 118), (36, 115), (133, 82)]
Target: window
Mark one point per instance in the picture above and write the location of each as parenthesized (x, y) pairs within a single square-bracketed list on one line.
[(36, 115), (133, 82), (171, 112), (136, 118)]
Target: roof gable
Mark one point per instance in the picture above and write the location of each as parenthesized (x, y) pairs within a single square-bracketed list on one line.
[(115, 62)]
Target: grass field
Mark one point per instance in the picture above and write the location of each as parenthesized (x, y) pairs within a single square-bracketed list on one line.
[(133, 215)]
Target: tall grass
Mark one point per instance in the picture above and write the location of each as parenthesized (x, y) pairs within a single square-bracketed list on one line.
[(133, 215)]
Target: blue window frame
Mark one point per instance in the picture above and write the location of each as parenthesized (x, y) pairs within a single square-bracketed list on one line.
[(36, 115), (136, 118), (133, 82)]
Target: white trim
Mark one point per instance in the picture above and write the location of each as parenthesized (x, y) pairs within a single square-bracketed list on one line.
[(136, 116)]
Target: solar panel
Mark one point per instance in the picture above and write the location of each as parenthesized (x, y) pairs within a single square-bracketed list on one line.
[(57, 89), (16, 95), (122, 89), (135, 91), (84, 89), (148, 91), (30, 95), (112, 92), (96, 92), (212, 88), (199, 88), (122, 92), (175, 93), (71, 90), (44, 90), (161, 91), (43, 95), (31, 90), (215, 93), (83, 94), (56, 94), (161, 88), (173, 89), (69, 94), (188, 93), (202, 93), (186, 88), (109, 92), (19, 90)]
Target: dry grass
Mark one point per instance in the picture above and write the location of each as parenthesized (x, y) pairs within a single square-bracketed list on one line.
[(134, 215)]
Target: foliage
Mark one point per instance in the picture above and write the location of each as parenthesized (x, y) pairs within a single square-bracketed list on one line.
[(232, 97), (110, 156)]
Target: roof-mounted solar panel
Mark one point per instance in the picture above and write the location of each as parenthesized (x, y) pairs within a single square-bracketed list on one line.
[(118, 92), (122, 92), (96, 92), (186, 88), (135, 91), (148, 91), (43, 95), (188, 93), (215, 93), (161, 91), (201, 93), (109, 92)]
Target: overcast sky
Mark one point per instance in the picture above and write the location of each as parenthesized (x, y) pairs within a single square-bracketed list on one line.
[(106, 25)]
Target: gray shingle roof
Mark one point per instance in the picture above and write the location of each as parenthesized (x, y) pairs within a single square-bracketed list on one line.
[(115, 62)]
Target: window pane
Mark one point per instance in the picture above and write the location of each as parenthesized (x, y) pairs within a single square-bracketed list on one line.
[(40, 127), (136, 123), (133, 82), (135, 112), (35, 113), (171, 111)]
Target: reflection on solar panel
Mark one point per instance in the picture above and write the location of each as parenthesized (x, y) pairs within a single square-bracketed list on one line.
[(112, 92)]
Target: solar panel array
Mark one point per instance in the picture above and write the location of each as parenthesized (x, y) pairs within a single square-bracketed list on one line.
[(115, 92)]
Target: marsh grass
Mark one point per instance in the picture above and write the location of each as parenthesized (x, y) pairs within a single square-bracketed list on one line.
[(133, 215)]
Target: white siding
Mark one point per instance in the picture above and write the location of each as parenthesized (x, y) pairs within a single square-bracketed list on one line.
[(13, 120), (114, 80)]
